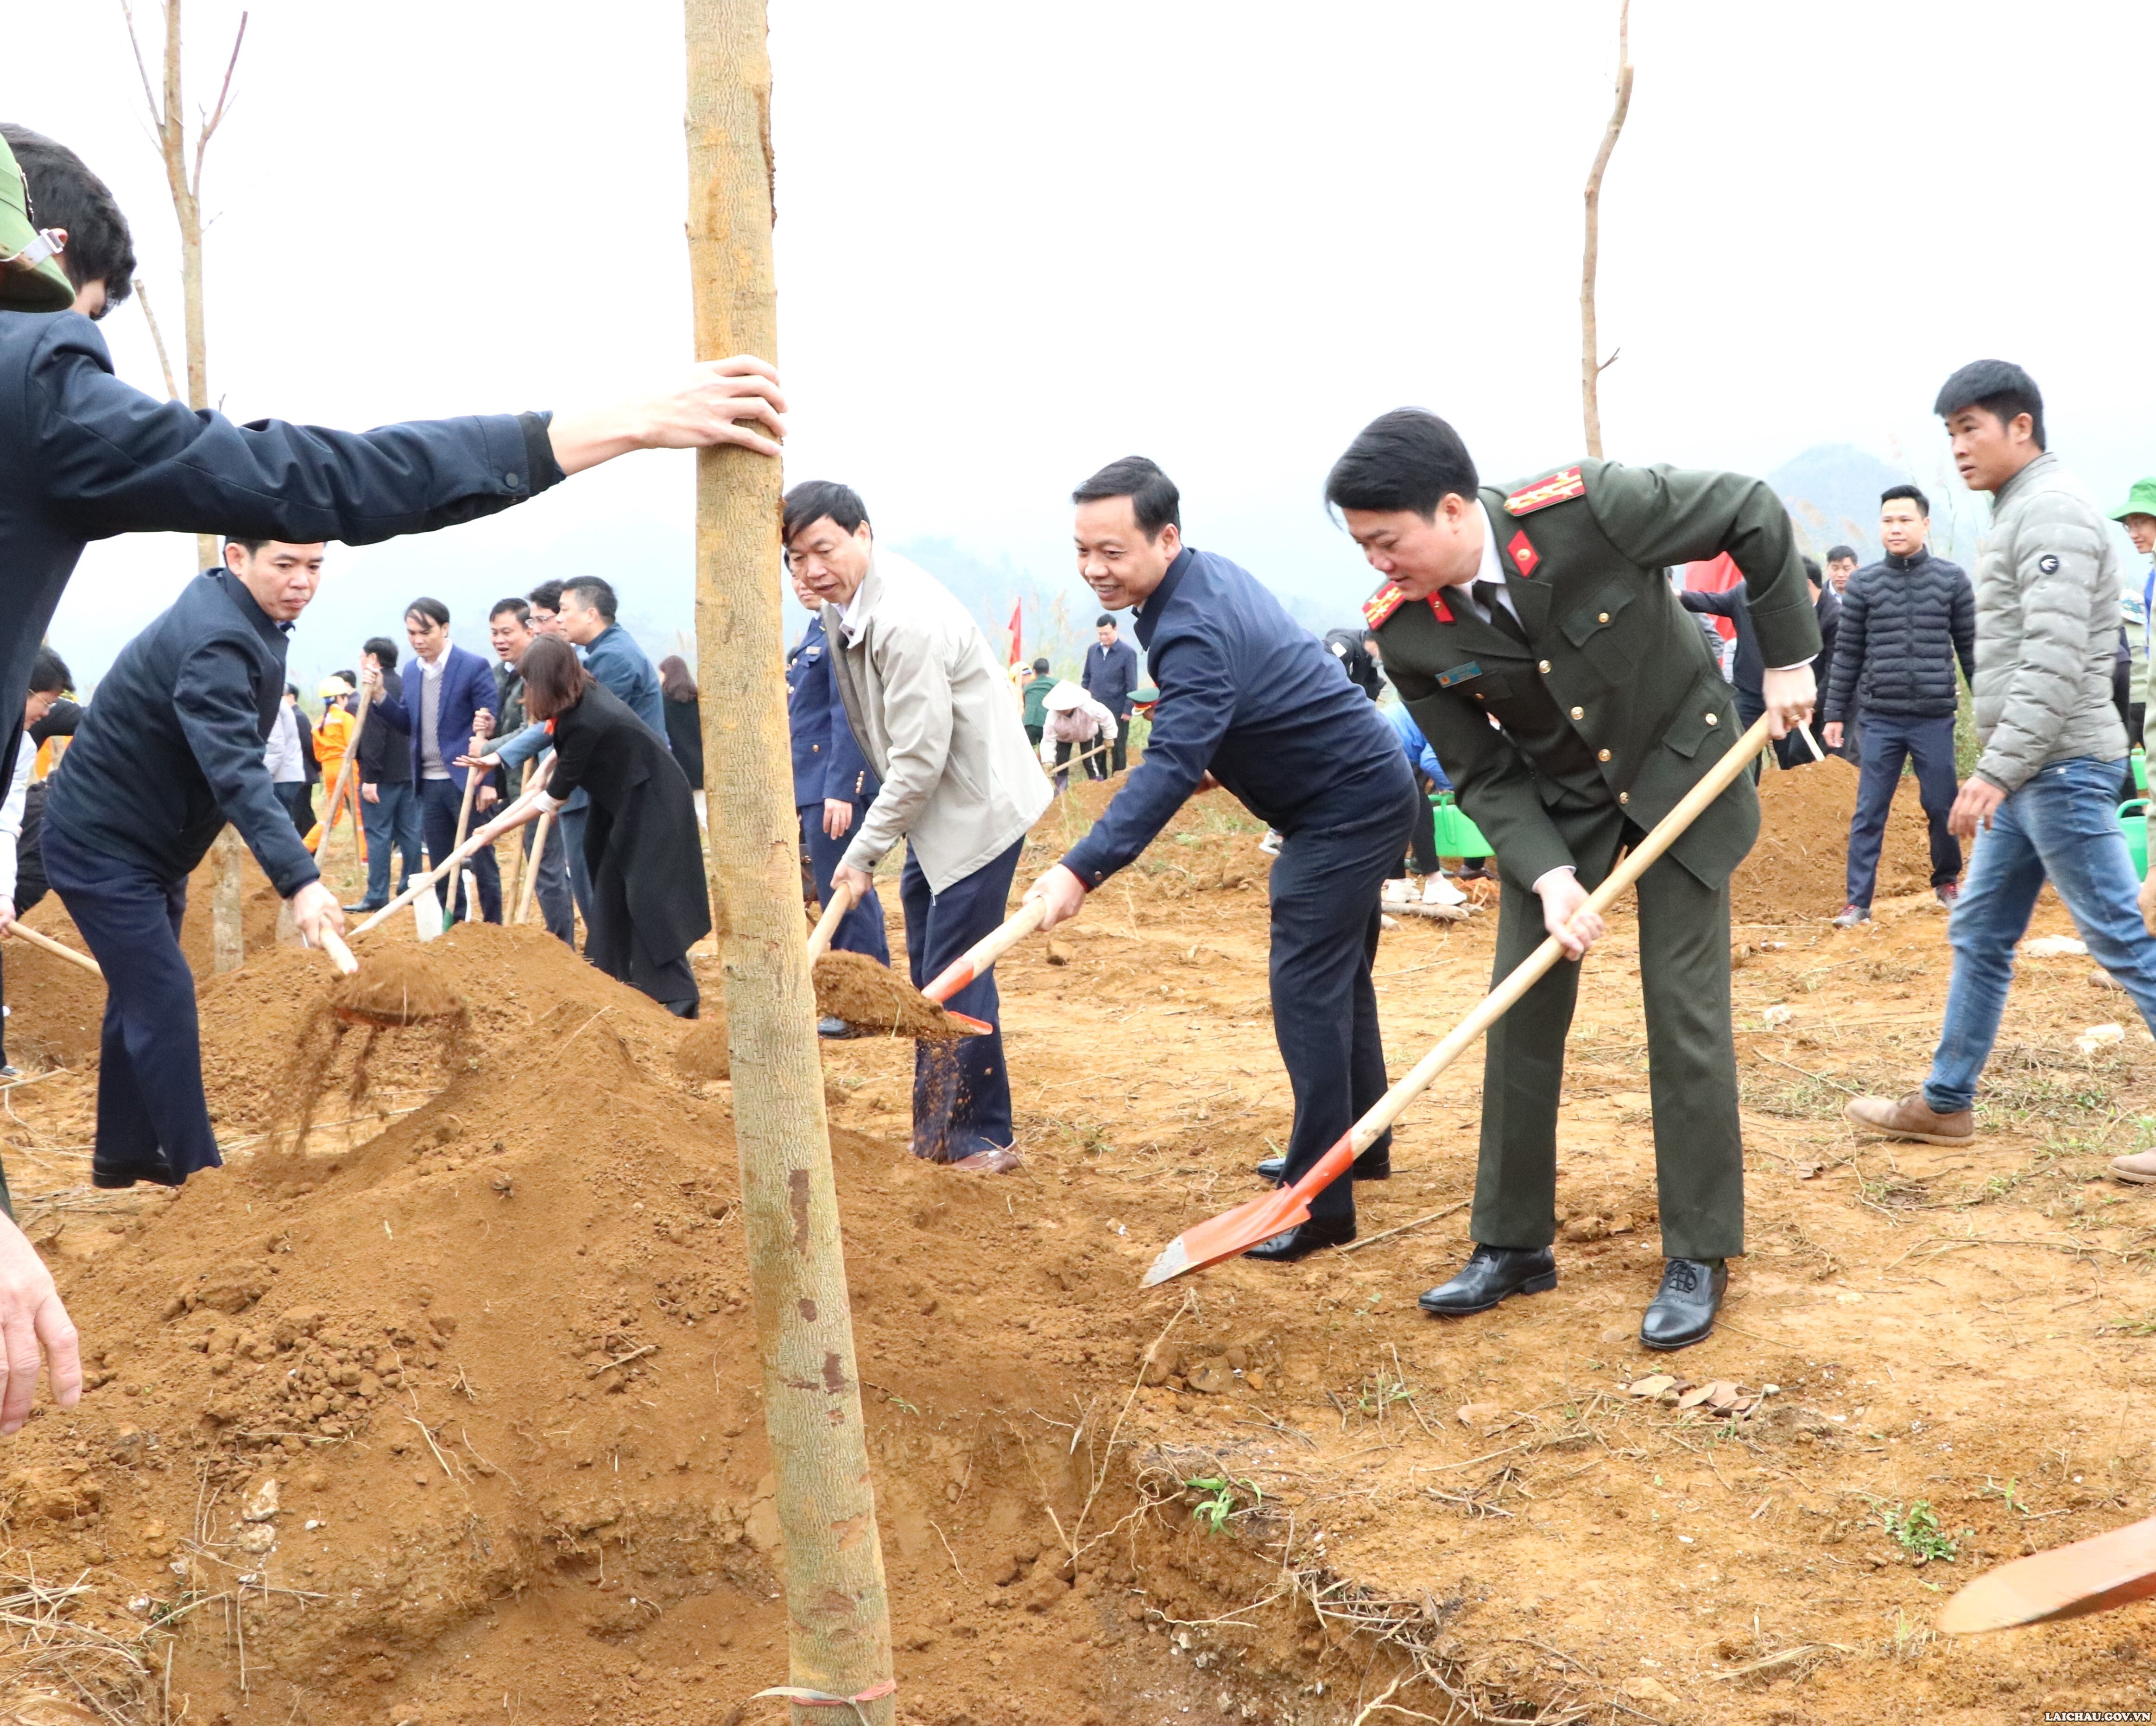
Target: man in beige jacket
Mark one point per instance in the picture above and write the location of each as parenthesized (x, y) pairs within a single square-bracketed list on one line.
[(930, 706)]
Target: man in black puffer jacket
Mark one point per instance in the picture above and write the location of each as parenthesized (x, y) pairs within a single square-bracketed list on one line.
[(1905, 620)]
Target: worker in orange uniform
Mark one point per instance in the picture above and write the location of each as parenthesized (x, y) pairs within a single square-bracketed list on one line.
[(333, 741)]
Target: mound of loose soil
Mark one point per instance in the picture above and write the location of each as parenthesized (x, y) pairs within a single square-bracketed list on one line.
[(875, 998), (394, 988), (703, 1053), (1798, 866)]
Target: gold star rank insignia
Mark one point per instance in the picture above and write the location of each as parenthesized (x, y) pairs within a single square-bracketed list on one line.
[(1382, 603), (1543, 493)]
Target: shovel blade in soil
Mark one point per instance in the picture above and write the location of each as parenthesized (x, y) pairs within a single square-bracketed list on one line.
[(1226, 1236), (2066, 1582)]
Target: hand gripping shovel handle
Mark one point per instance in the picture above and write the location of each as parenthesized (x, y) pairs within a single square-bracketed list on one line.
[(58, 949), (820, 937), (1226, 1236), (985, 951), (332, 944), (516, 815)]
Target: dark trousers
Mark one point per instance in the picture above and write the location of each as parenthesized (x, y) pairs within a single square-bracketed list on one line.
[(1096, 766), (861, 930), (393, 825), (152, 1122), (1422, 840), (440, 802), (298, 796), (557, 908), (961, 1090), (1890, 740), (1324, 888), (1691, 1056), (1121, 757), (570, 823)]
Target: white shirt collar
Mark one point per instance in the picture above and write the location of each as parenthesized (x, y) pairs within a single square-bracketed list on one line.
[(1491, 569), (850, 620)]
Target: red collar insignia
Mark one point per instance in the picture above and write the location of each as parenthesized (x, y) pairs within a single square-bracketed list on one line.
[(1444, 611), (1382, 603), (1543, 493), (1522, 553)]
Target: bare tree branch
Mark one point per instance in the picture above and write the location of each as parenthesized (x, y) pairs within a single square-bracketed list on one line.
[(142, 70), (157, 336), (1591, 370), (224, 103)]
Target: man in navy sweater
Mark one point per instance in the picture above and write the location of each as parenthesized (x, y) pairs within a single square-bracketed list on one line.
[(168, 752), (445, 700), (1250, 701), (832, 784)]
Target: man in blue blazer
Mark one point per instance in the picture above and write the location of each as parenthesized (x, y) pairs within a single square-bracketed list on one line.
[(832, 783), (445, 697)]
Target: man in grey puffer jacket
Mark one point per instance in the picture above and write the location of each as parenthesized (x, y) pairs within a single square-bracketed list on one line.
[(2044, 788)]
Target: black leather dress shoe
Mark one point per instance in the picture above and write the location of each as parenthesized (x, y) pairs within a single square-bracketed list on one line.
[(1371, 1165), (363, 909), (1683, 1311), (1490, 1275), (113, 1177), (1304, 1239)]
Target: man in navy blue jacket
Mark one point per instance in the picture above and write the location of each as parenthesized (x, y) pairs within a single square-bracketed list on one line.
[(446, 699), (1110, 674), (1250, 701), (832, 784), (167, 754)]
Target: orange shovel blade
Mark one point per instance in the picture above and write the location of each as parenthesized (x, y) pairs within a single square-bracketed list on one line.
[(966, 1023), (1225, 1236), (2066, 1582)]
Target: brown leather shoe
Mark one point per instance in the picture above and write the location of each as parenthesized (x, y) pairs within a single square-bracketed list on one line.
[(1912, 1118), (998, 1160), (2140, 1167)]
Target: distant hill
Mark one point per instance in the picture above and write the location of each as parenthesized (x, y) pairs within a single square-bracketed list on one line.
[(1832, 491)]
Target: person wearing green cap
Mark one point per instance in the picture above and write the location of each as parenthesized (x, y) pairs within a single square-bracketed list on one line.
[(2138, 516), (84, 456)]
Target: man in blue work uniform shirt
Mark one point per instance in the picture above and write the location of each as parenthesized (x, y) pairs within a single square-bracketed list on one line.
[(1250, 700), (832, 785)]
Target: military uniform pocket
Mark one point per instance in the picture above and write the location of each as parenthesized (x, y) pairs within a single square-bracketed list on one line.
[(1593, 629)]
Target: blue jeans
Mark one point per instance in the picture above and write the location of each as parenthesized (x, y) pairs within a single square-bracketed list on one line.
[(2061, 824), (1889, 740), (393, 825)]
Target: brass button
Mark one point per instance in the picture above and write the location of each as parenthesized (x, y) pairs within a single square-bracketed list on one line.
[(1602, 617), (1602, 755), (1579, 713), (1544, 668), (1623, 797), (1714, 719)]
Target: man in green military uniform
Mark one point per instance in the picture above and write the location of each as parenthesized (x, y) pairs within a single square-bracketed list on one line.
[(1534, 633)]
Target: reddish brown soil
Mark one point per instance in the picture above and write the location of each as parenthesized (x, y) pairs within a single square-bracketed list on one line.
[(877, 999), (1798, 868), (486, 1329)]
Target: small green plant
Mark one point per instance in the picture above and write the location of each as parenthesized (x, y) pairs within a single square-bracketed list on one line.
[(1217, 1501), (1916, 1531), (2006, 1494)]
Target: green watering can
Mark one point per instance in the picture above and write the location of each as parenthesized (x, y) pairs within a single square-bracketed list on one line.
[(2134, 821), (1456, 835)]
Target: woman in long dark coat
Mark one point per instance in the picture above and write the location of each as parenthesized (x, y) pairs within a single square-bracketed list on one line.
[(650, 905)]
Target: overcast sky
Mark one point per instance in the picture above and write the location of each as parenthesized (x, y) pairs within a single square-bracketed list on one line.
[(1017, 241)]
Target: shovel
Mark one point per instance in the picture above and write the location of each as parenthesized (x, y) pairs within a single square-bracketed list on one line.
[(393, 996), (524, 809), (58, 949), (2066, 1582), (980, 956), (820, 937), (1225, 1237)]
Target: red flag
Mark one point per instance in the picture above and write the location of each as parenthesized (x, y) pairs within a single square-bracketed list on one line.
[(1017, 658)]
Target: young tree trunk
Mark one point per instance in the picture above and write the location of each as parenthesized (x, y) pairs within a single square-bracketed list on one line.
[(838, 1618), (1592, 365), (226, 930)]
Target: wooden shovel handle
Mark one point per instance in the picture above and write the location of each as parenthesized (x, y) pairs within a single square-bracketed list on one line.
[(332, 944), (524, 809), (1524, 976), (820, 937), (985, 951), (58, 949)]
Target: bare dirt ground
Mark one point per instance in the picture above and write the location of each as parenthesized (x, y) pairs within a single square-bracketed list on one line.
[(485, 1331)]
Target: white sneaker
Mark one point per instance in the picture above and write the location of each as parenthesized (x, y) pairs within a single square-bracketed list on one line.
[(1438, 891), (1398, 892), (1271, 844)]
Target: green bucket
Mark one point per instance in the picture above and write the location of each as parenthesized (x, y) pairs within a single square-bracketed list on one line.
[(2139, 759), (1456, 835), (2134, 821)]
